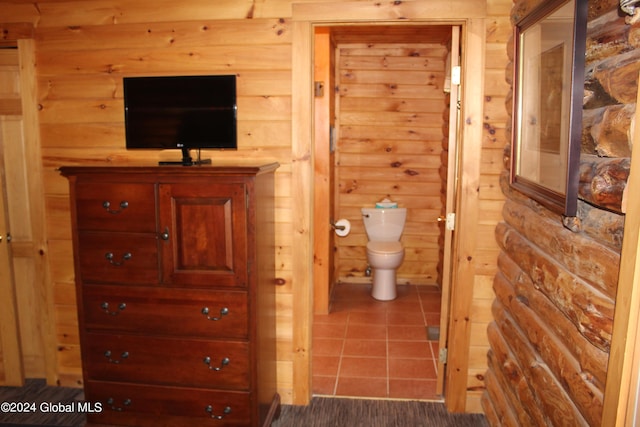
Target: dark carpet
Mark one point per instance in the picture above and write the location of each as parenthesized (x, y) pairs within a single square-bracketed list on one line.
[(337, 412), (321, 412), (34, 405)]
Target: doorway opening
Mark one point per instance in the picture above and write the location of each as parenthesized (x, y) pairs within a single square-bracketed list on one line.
[(385, 128)]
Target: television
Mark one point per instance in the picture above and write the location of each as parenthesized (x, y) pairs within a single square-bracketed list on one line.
[(181, 112)]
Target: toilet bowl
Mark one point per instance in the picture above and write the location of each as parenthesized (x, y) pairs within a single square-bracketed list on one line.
[(384, 251)]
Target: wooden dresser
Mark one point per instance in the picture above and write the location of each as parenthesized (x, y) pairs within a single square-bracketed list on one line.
[(176, 293)]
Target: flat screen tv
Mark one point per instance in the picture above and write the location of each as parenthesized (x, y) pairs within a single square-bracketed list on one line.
[(181, 112)]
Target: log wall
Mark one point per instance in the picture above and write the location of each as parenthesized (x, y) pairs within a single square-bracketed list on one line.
[(557, 277), (390, 122)]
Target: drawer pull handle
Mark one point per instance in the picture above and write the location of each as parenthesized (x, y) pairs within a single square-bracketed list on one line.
[(109, 256), (107, 206), (165, 235), (226, 411), (105, 307), (224, 362), (124, 355), (125, 403), (223, 312)]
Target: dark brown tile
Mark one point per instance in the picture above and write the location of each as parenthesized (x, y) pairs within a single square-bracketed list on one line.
[(405, 318), (428, 288), (351, 292), (329, 330), (379, 347), (325, 365), (327, 346), (412, 368), (412, 389), (412, 306), (365, 348), (369, 305), (407, 332), (325, 385), (332, 317), (432, 319), (367, 332), (367, 367), (409, 349), (406, 292), (431, 304), (362, 387), (368, 318)]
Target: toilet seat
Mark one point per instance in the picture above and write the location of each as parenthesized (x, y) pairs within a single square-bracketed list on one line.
[(383, 248)]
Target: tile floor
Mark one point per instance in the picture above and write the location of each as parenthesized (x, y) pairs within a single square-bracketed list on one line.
[(374, 349)]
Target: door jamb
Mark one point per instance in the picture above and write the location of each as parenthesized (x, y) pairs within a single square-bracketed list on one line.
[(304, 20)]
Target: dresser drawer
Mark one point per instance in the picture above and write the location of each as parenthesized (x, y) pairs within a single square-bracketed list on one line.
[(165, 361), (118, 258), (116, 206), (166, 311), (144, 405)]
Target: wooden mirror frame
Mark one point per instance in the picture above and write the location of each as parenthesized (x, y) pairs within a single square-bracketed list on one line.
[(552, 142)]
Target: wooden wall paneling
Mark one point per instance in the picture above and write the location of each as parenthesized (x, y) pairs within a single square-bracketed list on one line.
[(108, 18), (96, 12), (354, 11), (491, 198), (382, 145), (183, 60), (163, 35), (81, 100)]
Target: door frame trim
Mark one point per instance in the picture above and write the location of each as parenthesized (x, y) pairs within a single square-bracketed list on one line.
[(305, 17)]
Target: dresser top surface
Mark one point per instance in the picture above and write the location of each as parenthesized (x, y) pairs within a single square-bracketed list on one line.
[(168, 170)]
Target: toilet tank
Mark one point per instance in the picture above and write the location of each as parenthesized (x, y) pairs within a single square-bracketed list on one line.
[(384, 225)]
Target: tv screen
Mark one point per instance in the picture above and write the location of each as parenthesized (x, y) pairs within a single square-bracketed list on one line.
[(180, 112)]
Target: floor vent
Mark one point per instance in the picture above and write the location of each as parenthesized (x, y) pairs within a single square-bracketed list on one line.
[(433, 333)]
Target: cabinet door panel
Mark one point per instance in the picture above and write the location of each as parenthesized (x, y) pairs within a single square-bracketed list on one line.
[(116, 206), (168, 361), (207, 229), (176, 312), (118, 258)]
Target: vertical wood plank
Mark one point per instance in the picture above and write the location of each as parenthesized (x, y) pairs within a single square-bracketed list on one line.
[(301, 195), (450, 206), (11, 367), (623, 374), (466, 227), (322, 172), (33, 161)]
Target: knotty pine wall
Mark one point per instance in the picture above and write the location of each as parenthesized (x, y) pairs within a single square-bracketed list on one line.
[(84, 48), (80, 70), (390, 112)]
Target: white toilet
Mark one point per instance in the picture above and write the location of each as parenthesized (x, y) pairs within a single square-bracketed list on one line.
[(384, 250)]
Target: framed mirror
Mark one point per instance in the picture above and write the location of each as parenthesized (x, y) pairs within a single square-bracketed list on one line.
[(548, 89)]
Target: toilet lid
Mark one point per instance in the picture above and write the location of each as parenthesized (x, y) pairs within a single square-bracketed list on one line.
[(384, 247)]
